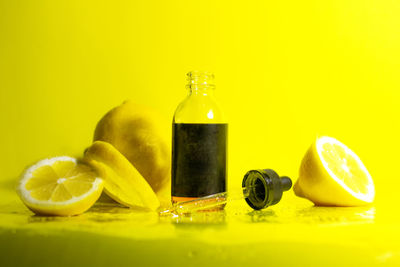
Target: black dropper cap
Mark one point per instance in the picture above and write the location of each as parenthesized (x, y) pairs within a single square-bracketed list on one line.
[(265, 187)]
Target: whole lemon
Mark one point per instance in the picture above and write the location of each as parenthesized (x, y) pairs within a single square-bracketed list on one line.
[(141, 135)]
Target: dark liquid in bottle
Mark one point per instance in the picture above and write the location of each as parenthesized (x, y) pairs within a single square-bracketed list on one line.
[(198, 159)]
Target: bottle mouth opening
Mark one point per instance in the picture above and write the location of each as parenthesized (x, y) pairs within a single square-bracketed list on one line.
[(197, 79), (259, 193)]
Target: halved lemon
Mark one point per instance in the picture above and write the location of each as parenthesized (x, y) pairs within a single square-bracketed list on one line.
[(331, 174), (59, 186)]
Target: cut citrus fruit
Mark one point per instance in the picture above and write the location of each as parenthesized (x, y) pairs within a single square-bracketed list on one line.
[(122, 182), (331, 174), (59, 186)]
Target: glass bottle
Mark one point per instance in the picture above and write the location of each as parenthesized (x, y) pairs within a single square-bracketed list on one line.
[(199, 142)]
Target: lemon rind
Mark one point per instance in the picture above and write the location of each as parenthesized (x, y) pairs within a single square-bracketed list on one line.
[(95, 159)]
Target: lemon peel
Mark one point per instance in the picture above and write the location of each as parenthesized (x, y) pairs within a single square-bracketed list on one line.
[(122, 181)]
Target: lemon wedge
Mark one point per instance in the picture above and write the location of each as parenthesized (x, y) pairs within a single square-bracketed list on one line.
[(333, 175), (122, 181), (59, 186)]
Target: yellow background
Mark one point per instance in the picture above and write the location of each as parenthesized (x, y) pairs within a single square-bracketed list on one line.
[(287, 71)]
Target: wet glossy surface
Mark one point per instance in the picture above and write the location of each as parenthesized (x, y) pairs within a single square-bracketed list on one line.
[(293, 232)]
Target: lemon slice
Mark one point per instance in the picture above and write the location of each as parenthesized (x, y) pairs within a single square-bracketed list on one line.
[(59, 186), (332, 174), (122, 181)]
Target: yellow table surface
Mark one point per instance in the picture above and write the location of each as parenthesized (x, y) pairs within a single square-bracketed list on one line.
[(293, 232)]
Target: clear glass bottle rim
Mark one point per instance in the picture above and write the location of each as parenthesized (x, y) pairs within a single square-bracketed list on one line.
[(197, 77)]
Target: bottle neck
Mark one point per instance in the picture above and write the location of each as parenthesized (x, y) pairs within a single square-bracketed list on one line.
[(200, 83), (200, 91)]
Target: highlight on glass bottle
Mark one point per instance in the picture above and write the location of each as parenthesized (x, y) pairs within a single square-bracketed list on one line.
[(199, 142)]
